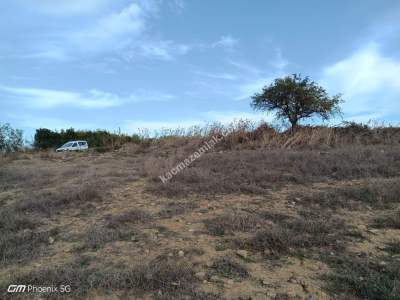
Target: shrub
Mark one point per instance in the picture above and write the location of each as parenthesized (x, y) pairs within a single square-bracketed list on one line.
[(389, 219), (10, 139), (229, 268), (163, 278), (45, 138), (23, 245), (364, 278), (233, 222), (133, 216)]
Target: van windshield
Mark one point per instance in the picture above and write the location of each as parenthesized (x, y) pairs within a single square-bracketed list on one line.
[(69, 144)]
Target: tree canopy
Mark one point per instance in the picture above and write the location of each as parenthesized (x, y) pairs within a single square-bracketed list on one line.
[(295, 98)]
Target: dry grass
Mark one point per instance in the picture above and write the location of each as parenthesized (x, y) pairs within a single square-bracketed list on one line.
[(300, 205), (231, 223), (387, 219), (162, 278), (133, 216), (258, 171), (376, 193), (229, 268), (309, 232)]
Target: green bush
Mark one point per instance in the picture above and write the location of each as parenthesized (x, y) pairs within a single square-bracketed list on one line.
[(46, 138)]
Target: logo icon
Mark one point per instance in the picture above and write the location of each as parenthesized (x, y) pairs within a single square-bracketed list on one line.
[(13, 288)]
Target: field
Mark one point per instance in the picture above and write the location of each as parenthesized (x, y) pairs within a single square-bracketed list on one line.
[(262, 215)]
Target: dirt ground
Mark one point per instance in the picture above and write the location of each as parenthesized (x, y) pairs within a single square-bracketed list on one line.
[(101, 222)]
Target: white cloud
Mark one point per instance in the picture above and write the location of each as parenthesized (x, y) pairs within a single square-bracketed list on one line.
[(49, 51), (34, 122), (369, 81), (127, 33), (280, 62), (246, 90), (226, 42), (114, 30), (161, 50), (232, 116), (224, 76), (226, 117), (66, 7), (45, 99)]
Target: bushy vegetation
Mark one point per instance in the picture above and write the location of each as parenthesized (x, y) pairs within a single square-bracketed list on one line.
[(10, 139), (295, 98), (46, 138)]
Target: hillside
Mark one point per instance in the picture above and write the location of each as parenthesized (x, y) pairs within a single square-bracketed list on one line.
[(262, 215)]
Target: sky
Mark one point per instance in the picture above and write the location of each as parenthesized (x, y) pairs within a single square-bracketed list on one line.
[(127, 64)]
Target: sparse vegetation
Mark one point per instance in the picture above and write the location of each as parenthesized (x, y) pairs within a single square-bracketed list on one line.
[(263, 206), (393, 248), (365, 278), (389, 219), (311, 231), (233, 222), (133, 216), (229, 268), (377, 193)]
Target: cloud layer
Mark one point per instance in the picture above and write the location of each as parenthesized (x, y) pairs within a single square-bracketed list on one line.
[(368, 80), (93, 99)]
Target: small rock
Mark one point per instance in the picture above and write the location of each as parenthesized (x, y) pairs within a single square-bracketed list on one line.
[(230, 281), (267, 252), (292, 279), (242, 253), (191, 230), (181, 253), (214, 278), (303, 284), (170, 254), (265, 282), (373, 231), (209, 264), (51, 240), (200, 275), (383, 263)]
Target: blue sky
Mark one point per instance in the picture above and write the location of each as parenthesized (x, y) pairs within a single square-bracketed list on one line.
[(150, 64)]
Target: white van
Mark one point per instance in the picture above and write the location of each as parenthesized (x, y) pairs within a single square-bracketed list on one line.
[(73, 146)]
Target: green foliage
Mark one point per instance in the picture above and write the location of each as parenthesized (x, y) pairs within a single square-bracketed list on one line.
[(365, 278), (45, 138), (295, 98), (10, 139)]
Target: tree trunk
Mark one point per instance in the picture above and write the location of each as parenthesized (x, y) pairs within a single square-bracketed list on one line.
[(294, 125)]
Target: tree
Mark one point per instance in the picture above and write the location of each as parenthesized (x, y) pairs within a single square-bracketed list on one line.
[(295, 98), (10, 139)]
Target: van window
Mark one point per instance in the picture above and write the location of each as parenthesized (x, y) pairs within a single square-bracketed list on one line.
[(81, 143), (74, 144)]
